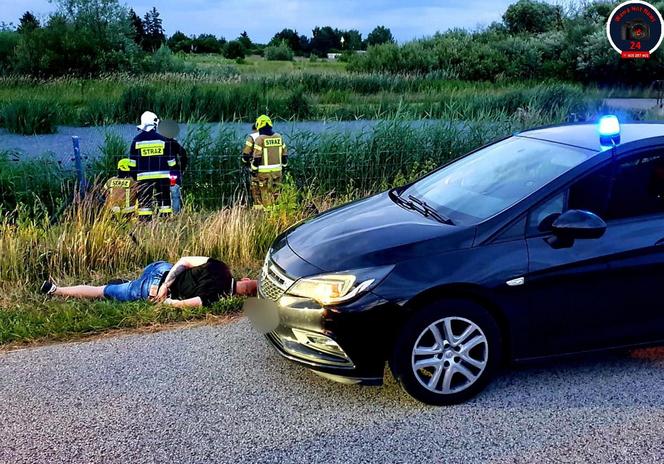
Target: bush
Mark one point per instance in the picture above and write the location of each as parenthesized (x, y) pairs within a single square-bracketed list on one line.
[(280, 52), (234, 49), (531, 16), (163, 60), (298, 104), (84, 42), (537, 41), (378, 59), (207, 43)]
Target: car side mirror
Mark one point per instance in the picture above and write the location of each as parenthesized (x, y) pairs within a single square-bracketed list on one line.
[(576, 224)]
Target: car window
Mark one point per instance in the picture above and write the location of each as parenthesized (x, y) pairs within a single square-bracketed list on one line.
[(550, 209), (634, 188), (589, 193), (494, 178), (638, 188), (514, 232)]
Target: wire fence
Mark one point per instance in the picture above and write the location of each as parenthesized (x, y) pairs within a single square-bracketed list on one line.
[(212, 182), (341, 165)]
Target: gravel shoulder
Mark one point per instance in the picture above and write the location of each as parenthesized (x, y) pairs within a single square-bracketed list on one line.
[(221, 394)]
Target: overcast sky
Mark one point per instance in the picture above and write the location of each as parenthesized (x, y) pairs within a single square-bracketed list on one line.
[(262, 19)]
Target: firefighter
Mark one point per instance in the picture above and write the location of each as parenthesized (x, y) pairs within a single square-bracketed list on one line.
[(269, 159), (121, 189), (154, 157)]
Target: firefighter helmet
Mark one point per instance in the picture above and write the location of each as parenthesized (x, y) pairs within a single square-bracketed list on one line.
[(149, 121), (124, 165), (263, 121)]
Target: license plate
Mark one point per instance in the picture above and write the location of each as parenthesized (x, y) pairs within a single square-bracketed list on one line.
[(263, 314)]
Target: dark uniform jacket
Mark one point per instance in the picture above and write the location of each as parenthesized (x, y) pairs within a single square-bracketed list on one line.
[(153, 157)]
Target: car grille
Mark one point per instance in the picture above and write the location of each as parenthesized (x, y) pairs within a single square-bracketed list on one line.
[(273, 281)]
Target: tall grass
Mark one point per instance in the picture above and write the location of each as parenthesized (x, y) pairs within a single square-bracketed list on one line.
[(31, 105), (33, 116), (35, 183), (91, 245)]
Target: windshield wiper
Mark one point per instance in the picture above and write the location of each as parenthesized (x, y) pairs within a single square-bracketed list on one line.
[(430, 211), (403, 202)]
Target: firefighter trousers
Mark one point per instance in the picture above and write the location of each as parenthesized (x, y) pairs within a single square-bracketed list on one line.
[(265, 188), (154, 196)]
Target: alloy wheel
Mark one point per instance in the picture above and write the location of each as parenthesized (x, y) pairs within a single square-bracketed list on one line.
[(450, 355)]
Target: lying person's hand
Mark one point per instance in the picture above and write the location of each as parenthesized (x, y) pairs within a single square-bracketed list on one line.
[(195, 302), (162, 294)]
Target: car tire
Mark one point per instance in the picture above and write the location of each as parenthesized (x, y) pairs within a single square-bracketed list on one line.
[(439, 368)]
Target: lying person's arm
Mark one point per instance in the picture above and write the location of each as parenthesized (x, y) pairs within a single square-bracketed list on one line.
[(195, 302), (184, 263)]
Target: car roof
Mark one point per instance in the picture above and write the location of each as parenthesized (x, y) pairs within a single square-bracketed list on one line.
[(585, 135)]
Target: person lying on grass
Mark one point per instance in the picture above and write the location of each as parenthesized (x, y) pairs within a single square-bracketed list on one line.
[(191, 282)]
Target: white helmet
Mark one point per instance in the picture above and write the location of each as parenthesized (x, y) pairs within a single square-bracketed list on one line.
[(149, 121)]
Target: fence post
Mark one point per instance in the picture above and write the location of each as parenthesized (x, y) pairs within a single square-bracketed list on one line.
[(80, 172)]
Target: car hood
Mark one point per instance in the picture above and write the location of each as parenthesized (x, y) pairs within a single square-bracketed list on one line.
[(372, 232)]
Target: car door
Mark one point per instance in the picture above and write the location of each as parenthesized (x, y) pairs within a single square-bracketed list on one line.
[(603, 292), (568, 289), (635, 219)]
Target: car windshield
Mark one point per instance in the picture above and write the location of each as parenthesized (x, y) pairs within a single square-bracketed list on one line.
[(494, 178)]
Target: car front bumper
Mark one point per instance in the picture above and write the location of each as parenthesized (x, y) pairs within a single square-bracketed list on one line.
[(348, 343)]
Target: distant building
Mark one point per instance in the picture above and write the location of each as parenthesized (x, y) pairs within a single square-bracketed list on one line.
[(336, 55)]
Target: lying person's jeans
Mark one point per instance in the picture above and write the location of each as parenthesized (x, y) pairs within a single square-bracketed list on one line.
[(139, 289)]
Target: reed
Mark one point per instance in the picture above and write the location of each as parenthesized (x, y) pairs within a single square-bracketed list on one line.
[(30, 105)]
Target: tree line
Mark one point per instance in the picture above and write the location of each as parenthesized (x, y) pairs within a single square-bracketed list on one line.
[(88, 37), (534, 40), (323, 40)]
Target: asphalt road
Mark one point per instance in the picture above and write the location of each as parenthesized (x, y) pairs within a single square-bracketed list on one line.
[(220, 394)]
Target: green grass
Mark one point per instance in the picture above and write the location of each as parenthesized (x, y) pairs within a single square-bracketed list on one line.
[(40, 182), (31, 116), (222, 90), (258, 65), (236, 93), (90, 245), (37, 319)]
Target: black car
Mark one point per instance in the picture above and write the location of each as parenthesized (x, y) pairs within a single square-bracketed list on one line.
[(547, 242)]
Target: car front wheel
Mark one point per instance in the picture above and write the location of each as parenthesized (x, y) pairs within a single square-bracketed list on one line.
[(447, 352)]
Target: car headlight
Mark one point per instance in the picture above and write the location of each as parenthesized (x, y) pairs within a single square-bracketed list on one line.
[(330, 289)]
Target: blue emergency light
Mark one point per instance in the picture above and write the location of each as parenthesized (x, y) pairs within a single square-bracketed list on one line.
[(609, 130)]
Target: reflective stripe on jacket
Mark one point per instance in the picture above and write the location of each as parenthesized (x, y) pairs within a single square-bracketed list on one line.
[(151, 175)]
